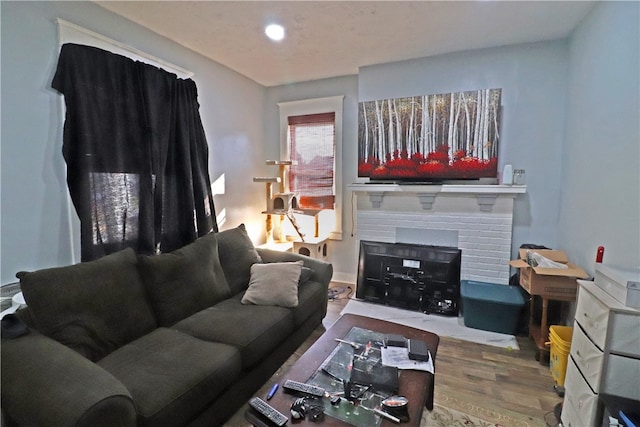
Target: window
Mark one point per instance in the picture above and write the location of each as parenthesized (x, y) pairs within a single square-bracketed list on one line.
[(311, 141), (311, 134), (114, 207), (123, 189), (133, 182)]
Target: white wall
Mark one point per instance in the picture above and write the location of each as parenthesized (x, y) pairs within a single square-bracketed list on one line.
[(600, 203), (35, 225)]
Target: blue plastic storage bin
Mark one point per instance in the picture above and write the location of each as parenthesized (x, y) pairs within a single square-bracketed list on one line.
[(491, 307)]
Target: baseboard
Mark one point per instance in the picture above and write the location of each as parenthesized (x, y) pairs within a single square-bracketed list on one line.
[(347, 279)]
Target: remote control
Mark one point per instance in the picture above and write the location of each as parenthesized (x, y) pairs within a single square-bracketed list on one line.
[(268, 411), (296, 387)]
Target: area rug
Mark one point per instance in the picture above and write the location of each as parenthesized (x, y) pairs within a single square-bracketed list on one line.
[(443, 417), (447, 417), (451, 410), (448, 326)]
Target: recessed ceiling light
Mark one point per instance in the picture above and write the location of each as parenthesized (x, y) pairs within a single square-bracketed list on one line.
[(274, 32)]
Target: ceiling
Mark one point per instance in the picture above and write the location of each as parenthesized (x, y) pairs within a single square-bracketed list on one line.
[(334, 38)]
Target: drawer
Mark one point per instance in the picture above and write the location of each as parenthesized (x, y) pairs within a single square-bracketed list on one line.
[(622, 377), (580, 403), (593, 316), (587, 357), (570, 416), (625, 334)]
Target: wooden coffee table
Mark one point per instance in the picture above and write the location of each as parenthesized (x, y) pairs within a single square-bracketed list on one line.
[(416, 386)]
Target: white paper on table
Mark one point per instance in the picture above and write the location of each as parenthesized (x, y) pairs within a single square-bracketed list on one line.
[(399, 357)]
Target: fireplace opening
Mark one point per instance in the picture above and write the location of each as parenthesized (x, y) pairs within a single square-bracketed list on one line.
[(415, 277)]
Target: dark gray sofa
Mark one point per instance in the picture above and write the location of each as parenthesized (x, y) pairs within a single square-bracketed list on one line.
[(162, 340)]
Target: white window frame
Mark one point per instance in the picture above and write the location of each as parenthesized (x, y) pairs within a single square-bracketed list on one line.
[(331, 104), (69, 32)]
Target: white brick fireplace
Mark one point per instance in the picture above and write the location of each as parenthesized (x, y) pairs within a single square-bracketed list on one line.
[(475, 218)]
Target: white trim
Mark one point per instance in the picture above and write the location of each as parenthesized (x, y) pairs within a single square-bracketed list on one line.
[(346, 278), (316, 106), (72, 33)]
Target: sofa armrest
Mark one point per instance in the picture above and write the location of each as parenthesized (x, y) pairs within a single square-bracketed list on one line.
[(46, 383), (322, 270)]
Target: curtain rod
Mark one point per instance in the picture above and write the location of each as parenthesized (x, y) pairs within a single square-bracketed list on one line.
[(126, 49)]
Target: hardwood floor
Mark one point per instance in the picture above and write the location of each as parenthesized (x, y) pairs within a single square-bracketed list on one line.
[(511, 383)]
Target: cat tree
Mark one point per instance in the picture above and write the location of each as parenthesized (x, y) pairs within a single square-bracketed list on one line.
[(282, 203), (285, 203)]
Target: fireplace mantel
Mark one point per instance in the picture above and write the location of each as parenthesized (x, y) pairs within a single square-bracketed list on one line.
[(476, 218), (426, 193)]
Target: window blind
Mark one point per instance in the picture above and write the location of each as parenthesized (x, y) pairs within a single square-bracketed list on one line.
[(312, 147)]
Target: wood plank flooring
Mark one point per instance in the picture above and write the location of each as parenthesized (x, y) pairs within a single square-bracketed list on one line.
[(509, 382)]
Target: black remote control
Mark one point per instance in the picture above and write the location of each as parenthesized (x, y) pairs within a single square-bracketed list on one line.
[(268, 411), (296, 387)]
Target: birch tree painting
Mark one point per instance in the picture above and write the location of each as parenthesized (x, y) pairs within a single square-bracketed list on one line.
[(445, 136)]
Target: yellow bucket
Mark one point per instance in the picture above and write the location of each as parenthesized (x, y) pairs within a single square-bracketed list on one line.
[(560, 338)]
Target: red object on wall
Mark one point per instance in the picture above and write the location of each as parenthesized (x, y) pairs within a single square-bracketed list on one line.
[(600, 254)]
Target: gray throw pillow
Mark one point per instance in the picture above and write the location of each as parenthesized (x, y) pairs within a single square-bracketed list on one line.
[(237, 255), (274, 284), (93, 307), (184, 281)]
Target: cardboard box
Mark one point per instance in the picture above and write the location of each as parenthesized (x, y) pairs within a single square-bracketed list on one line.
[(555, 283)]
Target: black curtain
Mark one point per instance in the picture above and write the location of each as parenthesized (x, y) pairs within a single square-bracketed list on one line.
[(136, 153)]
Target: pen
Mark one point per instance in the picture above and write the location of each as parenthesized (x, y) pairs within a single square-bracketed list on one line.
[(272, 391), (386, 415)]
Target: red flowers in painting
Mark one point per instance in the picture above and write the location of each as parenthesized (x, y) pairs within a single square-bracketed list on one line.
[(436, 165), (434, 137)]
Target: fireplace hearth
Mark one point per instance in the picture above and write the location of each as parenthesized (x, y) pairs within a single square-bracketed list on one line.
[(423, 278)]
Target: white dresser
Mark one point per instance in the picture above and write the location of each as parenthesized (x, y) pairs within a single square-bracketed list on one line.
[(604, 356)]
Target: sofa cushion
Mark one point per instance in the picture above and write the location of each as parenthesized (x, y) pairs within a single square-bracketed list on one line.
[(92, 307), (184, 281), (172, 377), (305, 275), (312, 298), (237, 255), (274, 283), (254, 329)]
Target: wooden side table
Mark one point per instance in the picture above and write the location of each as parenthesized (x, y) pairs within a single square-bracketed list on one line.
[(540, 332)]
